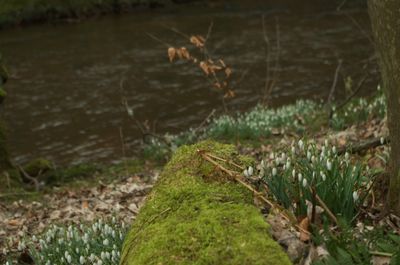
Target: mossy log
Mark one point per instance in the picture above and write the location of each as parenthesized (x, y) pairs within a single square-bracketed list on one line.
[(196, 215)]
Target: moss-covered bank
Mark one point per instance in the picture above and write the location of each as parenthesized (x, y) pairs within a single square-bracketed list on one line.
[(195, 215), (13, 12)]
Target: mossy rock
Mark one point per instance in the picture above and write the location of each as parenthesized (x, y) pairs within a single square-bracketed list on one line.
[(37, 166), (197, 215)]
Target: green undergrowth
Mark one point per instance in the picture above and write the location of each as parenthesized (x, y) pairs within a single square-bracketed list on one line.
[(359, 110), (351, 246), (256, 126), (196, 215)]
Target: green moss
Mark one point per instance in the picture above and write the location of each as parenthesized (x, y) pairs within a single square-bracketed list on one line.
[(196, 215), (37, 166)]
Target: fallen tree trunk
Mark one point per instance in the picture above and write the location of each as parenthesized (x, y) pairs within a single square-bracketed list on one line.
[(197, 215)]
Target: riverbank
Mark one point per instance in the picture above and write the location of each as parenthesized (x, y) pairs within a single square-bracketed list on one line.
[(28, 11), (13, 13)]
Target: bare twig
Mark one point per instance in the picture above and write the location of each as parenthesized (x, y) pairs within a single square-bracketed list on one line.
[(335, 79), (355, 92), (158, 40), (325, 207), (364, 146), (26, 175)]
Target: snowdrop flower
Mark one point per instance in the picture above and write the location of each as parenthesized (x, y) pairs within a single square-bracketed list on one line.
[(323, 176), (82, 260), (99, 262), (313, 159), (105, 242), (308, 155), (250, 170), (288, 164), (103, 255), (334, 150), (246, 173), (66, 254), (48, 262), (304, 182), (301, 144), (293, 149), (283, 156), (69, 259), (329, 165), (92, 257), (347, 156), (271, 156), (293, 173), (262, 163), (299, 177), (326, 142), (274, 172), (355, 196), (382, 140)]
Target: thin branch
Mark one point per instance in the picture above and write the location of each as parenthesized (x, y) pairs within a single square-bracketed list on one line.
[(335, 79), (359, 86), (158, 40), (325, 207)]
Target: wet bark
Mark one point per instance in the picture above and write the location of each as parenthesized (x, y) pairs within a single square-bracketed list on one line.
[(385, 18)]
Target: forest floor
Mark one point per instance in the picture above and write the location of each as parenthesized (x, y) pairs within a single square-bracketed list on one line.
[(124, 197)]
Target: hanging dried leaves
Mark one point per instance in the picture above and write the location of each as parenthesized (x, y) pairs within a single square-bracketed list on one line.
[(228, 72), (203, 65), (197, 41), (171, 54), (217, 72)]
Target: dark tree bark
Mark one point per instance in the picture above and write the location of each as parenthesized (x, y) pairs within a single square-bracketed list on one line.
[(385, 18)]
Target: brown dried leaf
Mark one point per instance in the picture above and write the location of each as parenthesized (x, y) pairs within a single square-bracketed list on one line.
[(171, 54), (229, 94), (179, 53), (185, 53), (304, 233), (228, 72), (203, 65), (217, 85), (14, 222), (197, 41)]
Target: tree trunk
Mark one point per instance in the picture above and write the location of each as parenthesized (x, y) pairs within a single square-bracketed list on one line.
[(385, 18)]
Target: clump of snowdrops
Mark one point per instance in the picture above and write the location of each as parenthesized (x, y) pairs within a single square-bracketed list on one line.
[(296, 176), (96, 244), (359, 110)]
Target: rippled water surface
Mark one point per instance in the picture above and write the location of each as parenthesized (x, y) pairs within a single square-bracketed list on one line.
[(69, 79)]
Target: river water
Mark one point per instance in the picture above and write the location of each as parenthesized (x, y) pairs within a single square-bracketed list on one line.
[(69, 80)]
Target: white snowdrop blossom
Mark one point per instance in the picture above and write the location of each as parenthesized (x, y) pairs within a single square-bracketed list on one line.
[(82, 260), (304, 182), (274, 172), (69, 259), (347, 156), (355, 196), (382, 140), (293, 149), (250, 170), (246, 173), (308, 155), (301, 144), (328, 165), (323, 176), (299, 177), (294, 173)]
